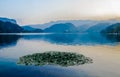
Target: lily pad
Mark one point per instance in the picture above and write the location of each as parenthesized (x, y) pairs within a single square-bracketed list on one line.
[(54, 58)]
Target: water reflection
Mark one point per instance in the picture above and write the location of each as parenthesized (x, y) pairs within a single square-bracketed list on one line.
[(8, 40), (29, 44), (113, 37), (8, 68), (73, 39), (63, 39)]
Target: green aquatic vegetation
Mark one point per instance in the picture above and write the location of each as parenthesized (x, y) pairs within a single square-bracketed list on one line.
[(54, 58)]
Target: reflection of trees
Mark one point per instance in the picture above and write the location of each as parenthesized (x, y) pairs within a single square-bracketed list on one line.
[(8, 40), (54, 58)]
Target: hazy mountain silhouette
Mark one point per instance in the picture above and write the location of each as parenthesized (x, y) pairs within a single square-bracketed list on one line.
[(8, 20), (8, 27), (114, 28), (62, 28), (98, 27), (82, 25), (31, 30), (74, 22)]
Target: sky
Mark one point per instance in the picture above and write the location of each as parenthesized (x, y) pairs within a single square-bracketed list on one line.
[(42, 11)]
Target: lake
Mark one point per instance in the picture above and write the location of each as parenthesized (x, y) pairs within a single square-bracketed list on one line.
[(104, 50)]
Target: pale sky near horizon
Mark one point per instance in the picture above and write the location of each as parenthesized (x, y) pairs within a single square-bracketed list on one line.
[(42, 11)]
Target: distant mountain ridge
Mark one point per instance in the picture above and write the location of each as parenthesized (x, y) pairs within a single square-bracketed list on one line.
[(114, 28), (74, 22), (29, 29), (8, 27), (61, 28), (81, 25), (98, 27), (65, 26), (8, 20)]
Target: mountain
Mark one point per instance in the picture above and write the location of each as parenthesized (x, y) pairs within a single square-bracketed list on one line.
[(82, 25), (31, 30), (61, 28), (101, 26), (74, 22), (8, 20), (28, 28), (83, 28), (9, 27), (64, 26), (114, 28), (97, 28)]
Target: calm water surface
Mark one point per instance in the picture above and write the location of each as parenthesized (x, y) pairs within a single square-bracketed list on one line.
[(103, 49)]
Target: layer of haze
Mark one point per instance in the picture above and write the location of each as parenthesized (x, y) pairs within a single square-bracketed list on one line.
[(42, 11)]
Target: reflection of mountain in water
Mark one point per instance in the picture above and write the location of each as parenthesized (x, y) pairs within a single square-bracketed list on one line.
[(112, 37), (72, 39), (53, 38), (63, 39), (8, 40)]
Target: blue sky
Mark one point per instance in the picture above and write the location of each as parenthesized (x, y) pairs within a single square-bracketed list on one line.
[(42, 11)]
